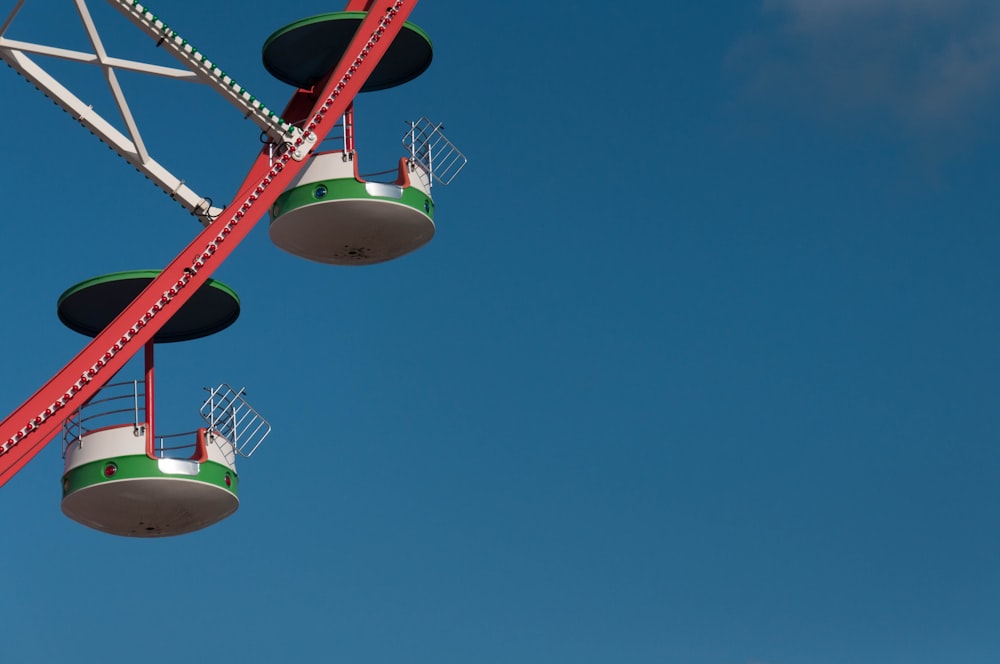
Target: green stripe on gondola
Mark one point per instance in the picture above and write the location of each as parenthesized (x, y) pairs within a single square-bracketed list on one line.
[(346, 189), (89, 306), (302, 53), (139, 467)]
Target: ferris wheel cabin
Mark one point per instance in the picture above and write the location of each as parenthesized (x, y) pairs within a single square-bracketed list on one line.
[(333, 213), (121, 476)]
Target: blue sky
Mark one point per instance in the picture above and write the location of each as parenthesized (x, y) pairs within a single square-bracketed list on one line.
[(700, 366)]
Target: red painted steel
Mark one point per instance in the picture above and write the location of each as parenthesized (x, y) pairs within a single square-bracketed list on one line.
[(31, 426), (148, 392), (349, 128)]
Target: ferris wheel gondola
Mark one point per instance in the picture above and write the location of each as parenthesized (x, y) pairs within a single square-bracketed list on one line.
[(321, 209)]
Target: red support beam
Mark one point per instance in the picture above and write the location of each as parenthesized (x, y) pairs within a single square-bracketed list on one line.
[(148, 402), (349, 128), (32, 425)]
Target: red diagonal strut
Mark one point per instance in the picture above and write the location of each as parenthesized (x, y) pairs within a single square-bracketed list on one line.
[(31, 426)]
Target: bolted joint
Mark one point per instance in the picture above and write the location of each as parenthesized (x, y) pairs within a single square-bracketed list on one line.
[(302, 150)]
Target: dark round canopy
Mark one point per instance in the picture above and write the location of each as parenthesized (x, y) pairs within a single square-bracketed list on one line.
[(302, 53), (91, 305)]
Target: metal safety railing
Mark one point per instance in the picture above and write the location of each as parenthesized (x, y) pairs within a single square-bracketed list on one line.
[(335, 141), (227, 412), (107, 409), (120, 404), (433, 152), (176, 446)]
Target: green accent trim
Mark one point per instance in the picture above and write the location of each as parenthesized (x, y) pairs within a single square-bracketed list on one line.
[(137, 274), (342, 189), (334, 16), (302, 53), (140, 466), (91, 305)]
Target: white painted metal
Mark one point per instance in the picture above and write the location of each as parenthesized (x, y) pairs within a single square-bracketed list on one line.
[(230, 418), (173, 503), (338, 165), (126, 440), (105, 444), (7, 21), (438, 157), (86, 115), (152, 507), (112, 79), (326, 166), (276, 128), (354, 231), (178, 467), (91, 58), (131, 147)]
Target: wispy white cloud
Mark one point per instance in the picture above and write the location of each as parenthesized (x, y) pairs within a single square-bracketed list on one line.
[(809, 15), (928, 64)]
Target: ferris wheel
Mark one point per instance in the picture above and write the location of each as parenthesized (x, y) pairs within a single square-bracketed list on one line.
[(121, 475)]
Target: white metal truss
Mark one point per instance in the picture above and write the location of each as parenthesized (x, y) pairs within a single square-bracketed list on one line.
[(131, 146)]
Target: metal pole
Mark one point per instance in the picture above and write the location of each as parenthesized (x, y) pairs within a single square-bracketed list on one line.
[(148, 404), (349, 129)]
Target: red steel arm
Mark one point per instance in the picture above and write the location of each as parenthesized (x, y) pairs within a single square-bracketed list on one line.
[(31, 426), (149, 400)]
